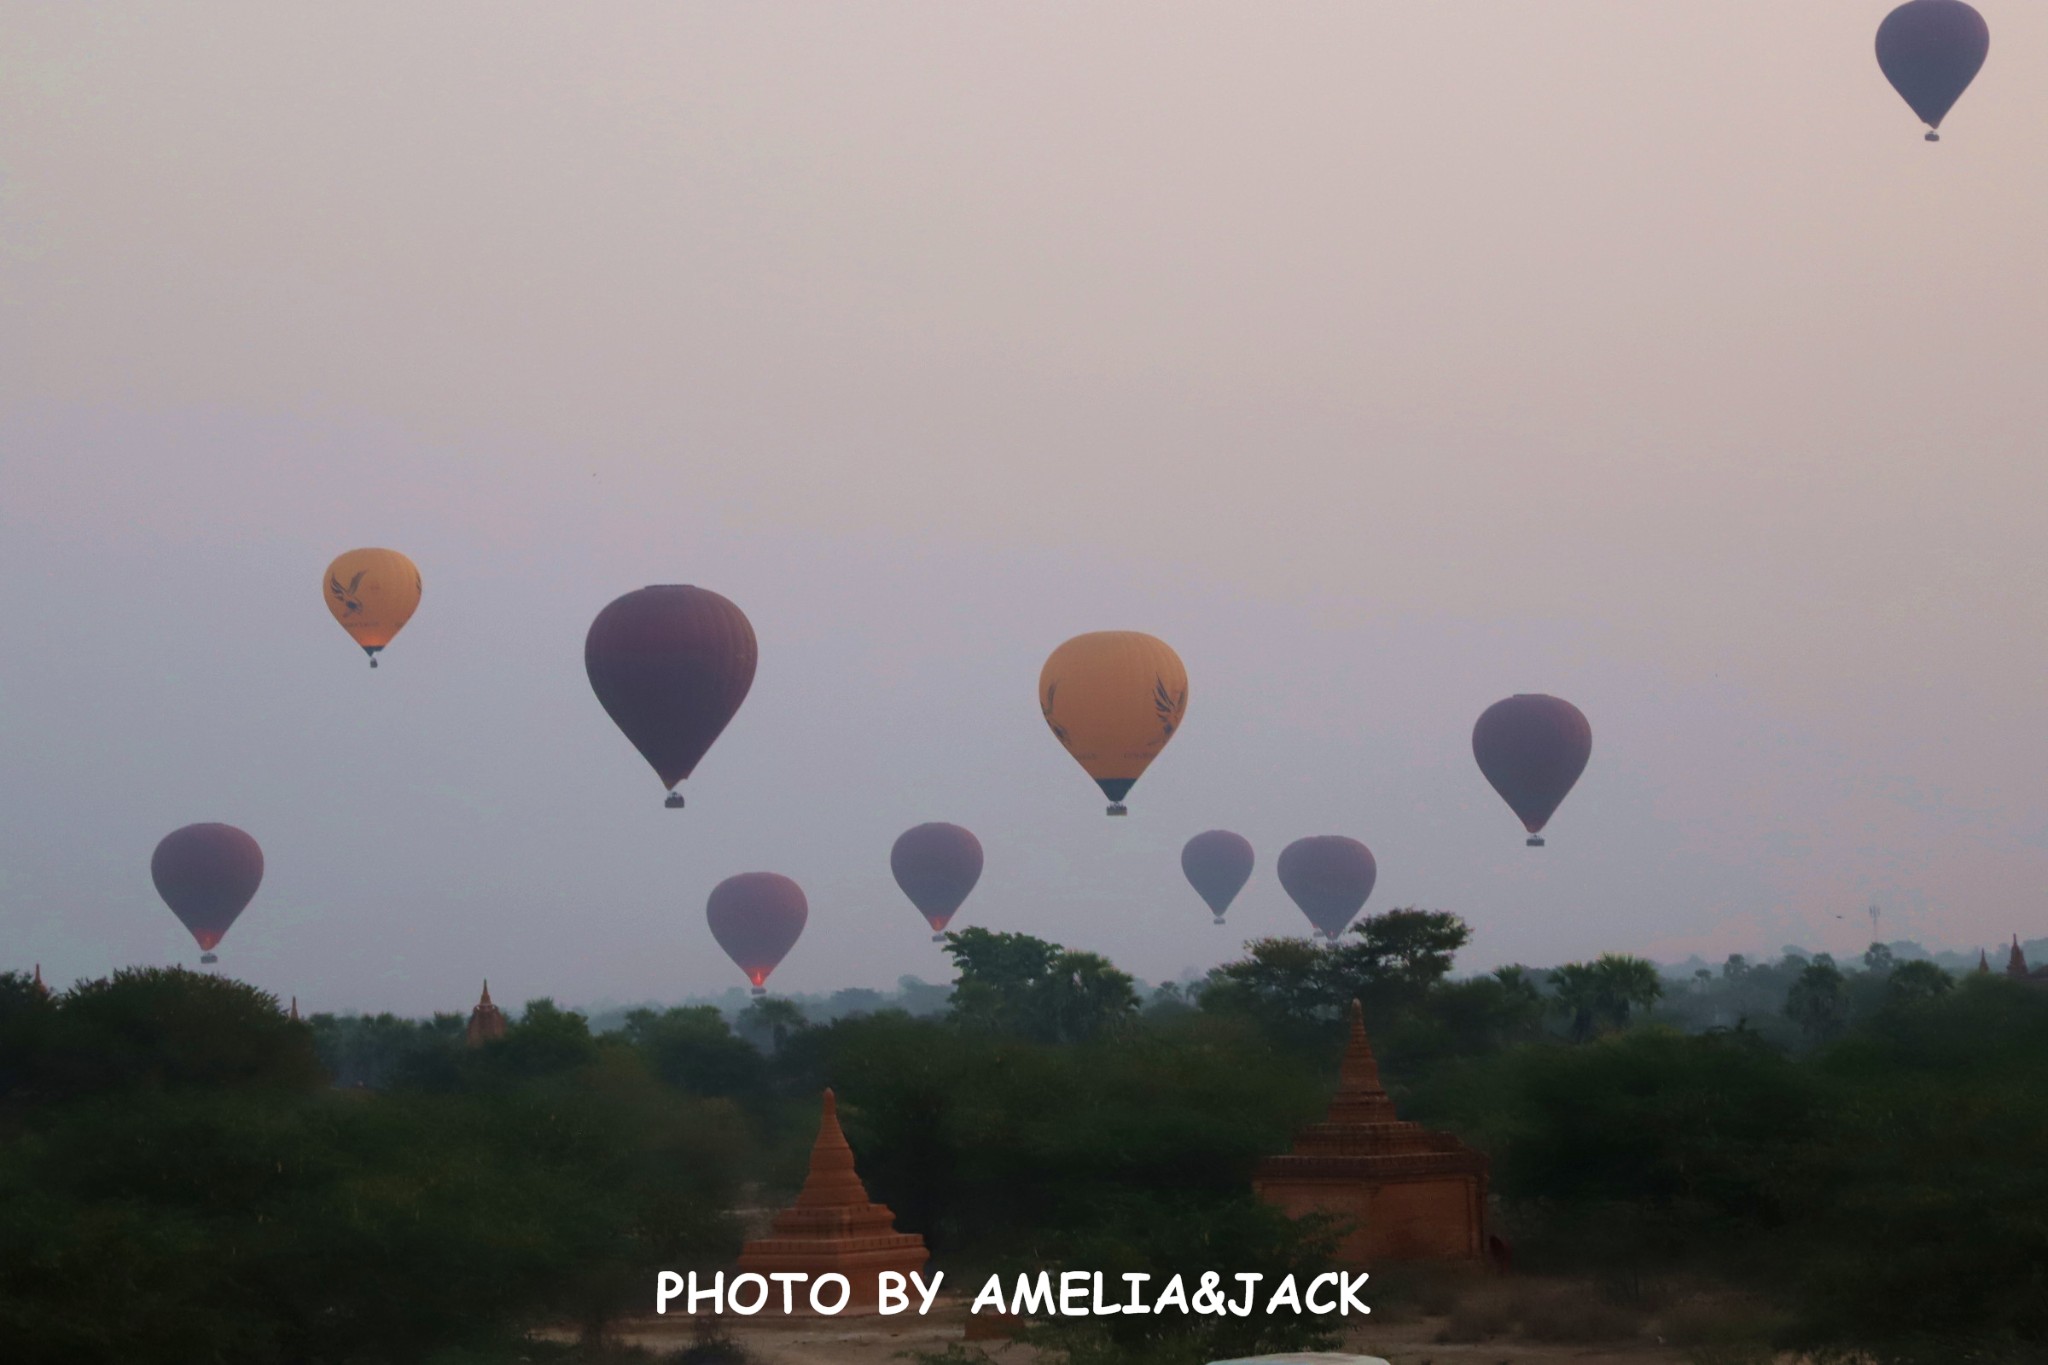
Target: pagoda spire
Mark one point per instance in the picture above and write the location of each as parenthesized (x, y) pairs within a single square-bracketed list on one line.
[(486, 1021), (295, 1009), (1983, 961), (40, 988), (1408, 1192), (834, 1226), (1360, 1098), (2016, 964), (832, 1182)]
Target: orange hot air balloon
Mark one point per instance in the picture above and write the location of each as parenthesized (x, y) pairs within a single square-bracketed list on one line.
[(373, 593), (1113, 697)]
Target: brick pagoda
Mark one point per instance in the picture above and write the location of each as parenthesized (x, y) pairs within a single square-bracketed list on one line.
[(1410, 1194), (486, 1021), (834, 1227)]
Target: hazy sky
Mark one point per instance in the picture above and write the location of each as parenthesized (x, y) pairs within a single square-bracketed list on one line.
[(1385, 358)]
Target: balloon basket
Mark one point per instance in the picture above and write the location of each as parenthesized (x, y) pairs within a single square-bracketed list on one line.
[(207, 959), (1119, 808), (760, 990), (1934, 137), (1219, 919), (674, 802), (373, 661), (1535, 841), (938, 938)]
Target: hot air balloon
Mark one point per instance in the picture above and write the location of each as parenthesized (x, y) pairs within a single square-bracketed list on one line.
[(373, 593), (1329, 877), (936, 865), (1532, 748), (756, 918), (1930, 50), (207, 874), (1113, 697), (1218, 864), (671, 666)]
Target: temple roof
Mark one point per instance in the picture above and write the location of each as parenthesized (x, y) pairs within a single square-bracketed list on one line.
[(1361, 1135), (486, 1022), (832, 1181), (833, 1219)]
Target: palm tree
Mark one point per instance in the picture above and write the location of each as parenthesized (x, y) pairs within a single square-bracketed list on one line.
[(1601, 995)]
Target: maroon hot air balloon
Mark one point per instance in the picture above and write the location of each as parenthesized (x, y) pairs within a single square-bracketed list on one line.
[(936, 865), (1218, 864), (1930, 50), (207, 874), (756, 918), (1329, 877), (671, 665), (1532, 748)]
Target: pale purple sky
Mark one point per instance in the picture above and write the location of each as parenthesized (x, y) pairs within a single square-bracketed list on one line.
[(1384, 358)]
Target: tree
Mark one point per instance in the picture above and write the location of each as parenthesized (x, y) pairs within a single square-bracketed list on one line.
[(28, 1018), (694, 1049), (182, 1186), (1299, 988), (545, 1039), (1877, 958), (1918, 981), (915, 995), (1025, 987), (1602, 994), (167, 1028), (1391, 960), (772, 1020), (856, 1000), (1285, 983), (376, 1051), (1818, 1000)]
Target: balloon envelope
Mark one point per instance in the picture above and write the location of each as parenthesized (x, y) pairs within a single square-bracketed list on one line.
[(671, 666), (1930, 50), (207, 874), (1114, 698), (372, 593), (756, 917), (936, 865), (1532, 748), (1328, 876), (1218, 864)]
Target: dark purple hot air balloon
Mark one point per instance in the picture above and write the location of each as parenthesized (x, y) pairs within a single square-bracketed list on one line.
[(756, 917), (936, 865), (1930, 50), (1329, 877), (207, 874), (1218, 864), (1532, 748), (671, 665)]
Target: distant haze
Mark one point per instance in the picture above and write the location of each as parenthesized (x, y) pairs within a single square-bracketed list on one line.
[(1385, 359)]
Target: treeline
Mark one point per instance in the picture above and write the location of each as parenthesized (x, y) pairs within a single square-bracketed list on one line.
[(180, 1182), (188, 1175)]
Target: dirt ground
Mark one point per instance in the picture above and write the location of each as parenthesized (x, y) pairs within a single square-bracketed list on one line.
[(889, 1341)]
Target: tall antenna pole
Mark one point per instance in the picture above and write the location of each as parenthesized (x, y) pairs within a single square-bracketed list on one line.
[(1874, 937)]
